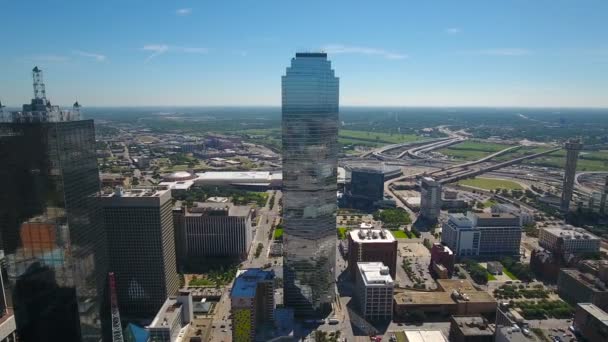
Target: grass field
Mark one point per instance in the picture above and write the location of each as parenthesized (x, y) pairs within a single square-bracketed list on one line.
[(399, 234), (520, 152), (278, 233), (472, 150), (385, 138), (491, 184), (342, 233), (400, 335), (345, 137), (349, 141), (588, 161), (491, 276), (508, 273), (489, 203)]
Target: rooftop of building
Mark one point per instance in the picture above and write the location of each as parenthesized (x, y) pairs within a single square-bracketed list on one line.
[(136, 333), (424, 336), (239, 175), (462, 290), (460, 220), (371, 235), (430, 180), (311, 54), (423, 298), (570, 232), (473, 326), (596, 312), (586, 279), (136, 192), (442, 248), (167, 314), (178, 185), (200, 208), (515, 334), (485, 215), (451, 291), (247, 281), (375, 273), (180, 176)]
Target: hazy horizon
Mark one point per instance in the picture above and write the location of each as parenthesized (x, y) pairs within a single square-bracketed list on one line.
[(453, 54)]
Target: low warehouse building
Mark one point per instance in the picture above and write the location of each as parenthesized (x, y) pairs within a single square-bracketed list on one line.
[(454, 297)]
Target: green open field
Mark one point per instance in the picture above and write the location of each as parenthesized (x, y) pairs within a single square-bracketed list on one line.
[(588, 161), (491, 184), (272, 136), (278, 234), (508, 273), (377, 137), (399, 234), (341, 231), (520, 152), (349, 141), (472, 150)]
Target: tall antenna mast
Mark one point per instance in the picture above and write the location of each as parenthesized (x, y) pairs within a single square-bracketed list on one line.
[(39, 92), (116, 327)]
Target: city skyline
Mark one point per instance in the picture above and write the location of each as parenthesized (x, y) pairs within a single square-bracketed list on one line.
[(194, 54)]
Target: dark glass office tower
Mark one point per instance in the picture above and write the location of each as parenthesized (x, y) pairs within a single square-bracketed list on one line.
[(310, 143), (50, 224)]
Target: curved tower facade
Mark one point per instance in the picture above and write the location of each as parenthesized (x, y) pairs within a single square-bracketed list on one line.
[(573, 147), (310, 94)]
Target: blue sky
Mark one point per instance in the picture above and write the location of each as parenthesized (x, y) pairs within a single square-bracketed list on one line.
[(392, 53)]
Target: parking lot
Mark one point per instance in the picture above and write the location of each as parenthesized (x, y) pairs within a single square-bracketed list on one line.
[(419, 258)]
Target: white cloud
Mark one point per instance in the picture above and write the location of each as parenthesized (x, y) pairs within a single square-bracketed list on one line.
[(156, 49), (505, 52), (191, 49), (183, 11), (96, 56), (344, 49), (49, 58), (159, 49), (453, 30)]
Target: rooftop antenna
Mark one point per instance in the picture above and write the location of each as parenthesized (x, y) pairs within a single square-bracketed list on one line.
[(39, 92), (76, 111)]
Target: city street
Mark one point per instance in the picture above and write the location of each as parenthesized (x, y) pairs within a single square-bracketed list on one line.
[(222, 328)]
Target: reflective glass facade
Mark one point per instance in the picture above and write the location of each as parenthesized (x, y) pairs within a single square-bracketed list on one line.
[(310, 94), (51, 229)]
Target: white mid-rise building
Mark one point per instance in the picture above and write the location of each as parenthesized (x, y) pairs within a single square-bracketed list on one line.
[(174, 315), (374, 291), (483, 234), (461, 236), (568, 239), (525, 216)]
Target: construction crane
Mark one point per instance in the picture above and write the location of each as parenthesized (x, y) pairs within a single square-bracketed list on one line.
[(116, 327)]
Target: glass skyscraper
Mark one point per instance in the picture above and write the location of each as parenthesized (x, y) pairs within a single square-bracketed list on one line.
[(310, 94), (50, 226)]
